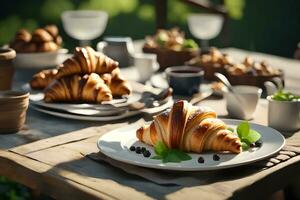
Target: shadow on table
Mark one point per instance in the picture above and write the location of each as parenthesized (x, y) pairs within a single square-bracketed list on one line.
[(95, 171)]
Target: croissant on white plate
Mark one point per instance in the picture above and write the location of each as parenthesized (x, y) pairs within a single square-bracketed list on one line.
[(88, 88), (190, 129), (86, 61)]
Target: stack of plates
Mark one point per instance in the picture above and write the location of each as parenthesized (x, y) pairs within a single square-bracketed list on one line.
[(107, 111)]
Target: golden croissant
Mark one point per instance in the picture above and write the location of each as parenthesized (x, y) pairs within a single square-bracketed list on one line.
[(117, 84), (190, 129), (88, 88), (42, 79), (86, 61)]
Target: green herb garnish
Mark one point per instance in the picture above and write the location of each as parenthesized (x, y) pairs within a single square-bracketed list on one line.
[(189, 44), (247, 136), (281, 95), (169, 155)]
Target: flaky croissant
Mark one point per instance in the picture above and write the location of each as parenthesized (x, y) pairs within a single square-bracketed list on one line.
[(117, 84), (86, 61), (43, 78), (190, 129), (88, 88)]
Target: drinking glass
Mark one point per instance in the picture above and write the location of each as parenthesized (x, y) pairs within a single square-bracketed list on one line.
[(84, 25), (205, 27)]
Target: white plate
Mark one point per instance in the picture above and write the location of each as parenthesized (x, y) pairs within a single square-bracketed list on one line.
[(40, 60), (124, 115), (116, 144), (106, 108)]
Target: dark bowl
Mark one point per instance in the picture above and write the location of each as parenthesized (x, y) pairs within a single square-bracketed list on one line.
[(184, 80)]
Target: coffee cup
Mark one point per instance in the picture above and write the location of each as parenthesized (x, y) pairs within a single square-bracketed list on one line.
[(118, 48), (145, 64), (283, 115), (184, 80), (242, 102)]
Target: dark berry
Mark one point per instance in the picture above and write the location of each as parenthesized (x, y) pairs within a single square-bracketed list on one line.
[(146, 154), (143, 149), (216, 157), (132, 148), (138, 150), (252, 145), (258, 143), (200, 160)]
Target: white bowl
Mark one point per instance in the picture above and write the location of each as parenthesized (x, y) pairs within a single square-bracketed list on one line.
[(40, 59)]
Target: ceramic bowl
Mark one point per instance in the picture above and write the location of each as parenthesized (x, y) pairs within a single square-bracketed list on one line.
[(39, 59), (13, 107)]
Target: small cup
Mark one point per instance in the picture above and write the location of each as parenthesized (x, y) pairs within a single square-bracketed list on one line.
[(242, 103), (145, 64), (13, 107), (118, 48), (184, 80), (284, 115), (7, 56)]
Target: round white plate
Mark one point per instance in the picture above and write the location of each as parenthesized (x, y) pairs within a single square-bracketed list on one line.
[(105, 109), (116, 144), (40, 59), (124, 115)]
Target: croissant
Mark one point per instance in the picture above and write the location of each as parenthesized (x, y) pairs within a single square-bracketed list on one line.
[(117, 84), (42, 79), (190, 129), (87, 88), (86, 61)]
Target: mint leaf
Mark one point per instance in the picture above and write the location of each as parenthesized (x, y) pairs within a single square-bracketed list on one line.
[(243, 129), (161, 149), (245, 146), (173, 157), (180, 154), (156, 157), (252, 136)]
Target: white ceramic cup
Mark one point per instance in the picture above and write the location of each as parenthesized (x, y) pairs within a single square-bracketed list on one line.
[(145, 64), (284, 115), (243, 102)]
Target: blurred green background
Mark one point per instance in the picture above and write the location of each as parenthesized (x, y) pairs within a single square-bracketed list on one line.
[(270, 26)]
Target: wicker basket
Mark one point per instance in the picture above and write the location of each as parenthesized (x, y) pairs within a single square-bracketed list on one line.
[(167, 58)]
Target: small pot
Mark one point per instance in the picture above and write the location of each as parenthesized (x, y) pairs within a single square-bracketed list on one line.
[(184, 80), (7, 56), (284, 115), (13, 107)]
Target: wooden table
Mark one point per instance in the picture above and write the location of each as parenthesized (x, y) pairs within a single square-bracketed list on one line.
[(48, 156)]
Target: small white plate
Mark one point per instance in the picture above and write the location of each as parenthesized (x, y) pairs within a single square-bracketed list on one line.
[(124, 115), (40, 59), (116, 144), (105, 109)]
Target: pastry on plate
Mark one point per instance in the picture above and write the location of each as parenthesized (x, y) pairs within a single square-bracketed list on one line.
[(117, 84), (43, 78), (85, 61), (190, 129), (88, 88)]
